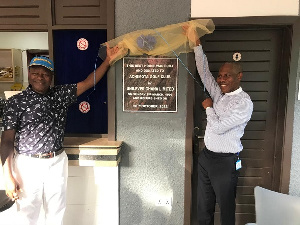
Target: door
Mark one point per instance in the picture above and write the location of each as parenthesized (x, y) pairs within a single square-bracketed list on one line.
[(261, 52)]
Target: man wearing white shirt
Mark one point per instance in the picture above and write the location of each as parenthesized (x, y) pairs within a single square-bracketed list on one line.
[(228, 111)]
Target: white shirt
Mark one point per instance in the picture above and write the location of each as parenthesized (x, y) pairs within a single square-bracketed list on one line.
[(230, 114)]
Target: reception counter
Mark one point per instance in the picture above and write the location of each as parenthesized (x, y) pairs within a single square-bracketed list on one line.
[(90, 151), (93, 183)]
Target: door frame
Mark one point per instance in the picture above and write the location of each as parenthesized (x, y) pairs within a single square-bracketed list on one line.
[(281, 64), (287, 127), (284, 168), (287, 131), (282, 92)]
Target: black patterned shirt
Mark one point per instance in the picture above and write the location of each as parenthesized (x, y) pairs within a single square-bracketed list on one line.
[(39, 120)]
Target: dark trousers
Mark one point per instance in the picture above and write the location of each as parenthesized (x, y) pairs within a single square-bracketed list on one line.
[(217, 181)]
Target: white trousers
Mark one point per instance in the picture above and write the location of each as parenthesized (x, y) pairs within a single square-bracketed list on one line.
[(44, 183)]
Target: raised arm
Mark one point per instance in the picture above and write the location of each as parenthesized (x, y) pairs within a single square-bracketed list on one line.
[(207, 78), (99, 73), (201, 62), (89, 81)]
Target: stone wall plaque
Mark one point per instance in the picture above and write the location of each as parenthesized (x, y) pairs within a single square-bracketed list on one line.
[(150, 84)]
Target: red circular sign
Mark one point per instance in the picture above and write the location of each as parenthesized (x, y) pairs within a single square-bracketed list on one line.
[(84, 107), (82, 44)]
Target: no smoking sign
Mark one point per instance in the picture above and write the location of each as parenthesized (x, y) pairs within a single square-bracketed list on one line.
[(82, 44), (84, 107)]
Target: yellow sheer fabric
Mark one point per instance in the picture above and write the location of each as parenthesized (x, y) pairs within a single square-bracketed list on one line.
[(163, 41)]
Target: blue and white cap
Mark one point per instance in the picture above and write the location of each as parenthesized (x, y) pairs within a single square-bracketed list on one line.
[(42, 61)]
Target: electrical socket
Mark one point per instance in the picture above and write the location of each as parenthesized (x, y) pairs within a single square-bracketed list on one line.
[(160, 202), (168, 202), (164, 202)]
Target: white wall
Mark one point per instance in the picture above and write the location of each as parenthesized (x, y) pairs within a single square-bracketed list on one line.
[(92, 196), (24, 40), (241, 8)]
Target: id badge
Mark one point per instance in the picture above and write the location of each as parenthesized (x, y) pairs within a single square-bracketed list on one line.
[(238, 164)]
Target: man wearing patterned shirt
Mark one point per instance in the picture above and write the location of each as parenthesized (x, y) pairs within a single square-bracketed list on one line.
[(35, 165), (228, 111)]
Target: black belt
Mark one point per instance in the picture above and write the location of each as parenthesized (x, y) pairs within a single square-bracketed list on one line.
[(218, 153), (45, 155)]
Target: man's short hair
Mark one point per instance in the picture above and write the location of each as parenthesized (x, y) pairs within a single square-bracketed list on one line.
[(236, 67)]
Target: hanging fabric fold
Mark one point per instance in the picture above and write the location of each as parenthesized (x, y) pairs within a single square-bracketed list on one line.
[(152, 42)]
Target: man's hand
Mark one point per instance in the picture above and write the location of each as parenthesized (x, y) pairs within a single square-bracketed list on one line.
[(207, 103), (7, 153), (12, 188), (112, 53), (191, 34)]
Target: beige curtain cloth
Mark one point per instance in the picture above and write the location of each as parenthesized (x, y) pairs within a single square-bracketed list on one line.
[(163, 41)]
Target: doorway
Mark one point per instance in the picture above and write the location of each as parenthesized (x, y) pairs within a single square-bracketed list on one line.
[(264, 55)]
